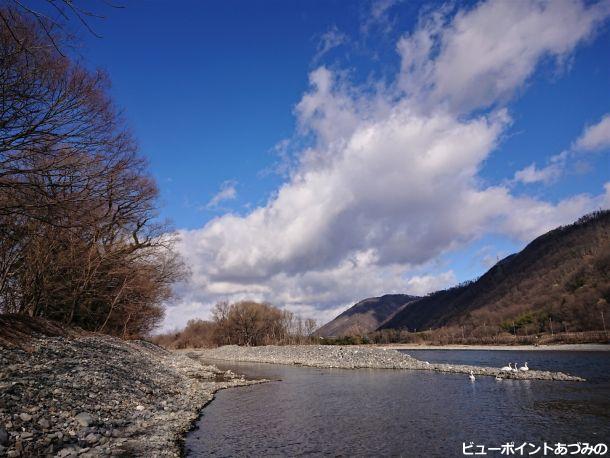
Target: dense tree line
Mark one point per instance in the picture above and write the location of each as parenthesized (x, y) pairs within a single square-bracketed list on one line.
[(79, 237), (242, 323)]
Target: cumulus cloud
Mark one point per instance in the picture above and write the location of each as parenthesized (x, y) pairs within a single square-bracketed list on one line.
[(227, 192), (481, 56), (595, 137), (391, 180)]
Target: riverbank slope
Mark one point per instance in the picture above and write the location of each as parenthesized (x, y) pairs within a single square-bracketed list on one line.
[(354, 357), (94, 395)]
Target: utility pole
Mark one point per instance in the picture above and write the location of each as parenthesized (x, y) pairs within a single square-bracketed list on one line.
[(604, 323)]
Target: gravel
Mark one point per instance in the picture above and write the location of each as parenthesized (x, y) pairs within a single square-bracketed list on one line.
[(100, 396), (352, 357)]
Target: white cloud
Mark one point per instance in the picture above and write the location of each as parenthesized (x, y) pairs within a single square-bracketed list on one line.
[(595, 137), (329, 40), (531, 174), (378, 16), (227, 192), (481, 56), (392, 178), (420, 285), (489, 256), (546, 175)]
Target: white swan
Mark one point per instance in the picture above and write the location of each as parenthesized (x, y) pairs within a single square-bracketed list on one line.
[(471, 377), (515, 368), (507, 368), (524, 368)]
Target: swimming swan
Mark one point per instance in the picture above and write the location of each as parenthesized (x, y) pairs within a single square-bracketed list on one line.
[(524, 368), (471, 377)]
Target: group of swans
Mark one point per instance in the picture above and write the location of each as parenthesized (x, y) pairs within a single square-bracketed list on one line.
[(508, 368)]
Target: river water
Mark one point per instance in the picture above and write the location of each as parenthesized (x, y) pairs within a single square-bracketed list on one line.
[(338, 412)]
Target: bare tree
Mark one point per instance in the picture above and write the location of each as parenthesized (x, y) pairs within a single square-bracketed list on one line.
[(51, 16), (79, 237)]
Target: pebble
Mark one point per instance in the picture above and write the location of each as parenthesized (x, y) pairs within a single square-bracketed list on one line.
[(352, 357), (92, 438), (80, 392), (84, 419), (44, 423)]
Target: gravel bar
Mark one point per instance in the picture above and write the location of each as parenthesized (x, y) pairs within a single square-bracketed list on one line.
[(353, 357), (95, 395)]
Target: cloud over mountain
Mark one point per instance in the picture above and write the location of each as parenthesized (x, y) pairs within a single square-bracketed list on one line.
[(391, 179)]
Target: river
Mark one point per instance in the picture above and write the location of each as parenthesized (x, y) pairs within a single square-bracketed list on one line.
[(334, 412)]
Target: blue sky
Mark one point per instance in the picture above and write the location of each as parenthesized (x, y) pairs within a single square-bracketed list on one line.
[(292, 140)]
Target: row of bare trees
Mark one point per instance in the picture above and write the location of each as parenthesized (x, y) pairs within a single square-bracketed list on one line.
[(79, 238), (242, 323)]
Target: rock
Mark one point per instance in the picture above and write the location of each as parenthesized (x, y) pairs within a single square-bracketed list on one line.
[(140, 408), (66, 452), (25, 416), (3, 436), (92, 438), (84, 419), (44, 423)]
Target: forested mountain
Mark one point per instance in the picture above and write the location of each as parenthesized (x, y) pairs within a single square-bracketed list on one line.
[(366, 315), (560, 280)]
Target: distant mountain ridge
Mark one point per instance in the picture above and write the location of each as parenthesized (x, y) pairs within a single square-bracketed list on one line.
[(561, 278), (563, 275), (365, 316)]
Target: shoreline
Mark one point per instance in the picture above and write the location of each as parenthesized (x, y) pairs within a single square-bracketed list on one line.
[(358, 357), (551, 347), (181, 440)]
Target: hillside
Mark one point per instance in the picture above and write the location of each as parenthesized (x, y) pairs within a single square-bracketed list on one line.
[(365, 316), (560, 280)]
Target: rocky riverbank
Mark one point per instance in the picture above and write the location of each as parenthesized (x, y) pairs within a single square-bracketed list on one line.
[(351, 357), (92, 395)]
